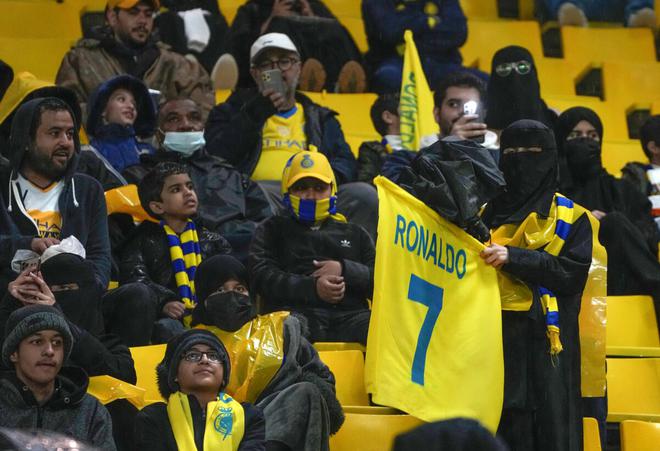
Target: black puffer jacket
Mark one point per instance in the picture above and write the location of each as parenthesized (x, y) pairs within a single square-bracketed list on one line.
[(234, 132), (146, 258), (281, 262)]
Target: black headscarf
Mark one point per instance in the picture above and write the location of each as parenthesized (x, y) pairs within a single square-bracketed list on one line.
[(580, 162), (6, 77), (226, 310), (82, 306), (515, 96), (531, 177), (456, 434)]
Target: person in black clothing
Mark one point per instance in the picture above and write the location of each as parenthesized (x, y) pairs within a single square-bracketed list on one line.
[(44, 200), (310, 261), (332, 53), (514, 92), (542, 398), (68, 283), (166, 193), (627, 229), (295, 389), (229, 202), (192, 377)]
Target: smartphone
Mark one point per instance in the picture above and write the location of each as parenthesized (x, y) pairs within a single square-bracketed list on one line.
[(272, 79), (473, 108)]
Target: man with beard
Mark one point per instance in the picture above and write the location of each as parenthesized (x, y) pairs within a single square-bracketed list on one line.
[(43, 199), (127, 46)]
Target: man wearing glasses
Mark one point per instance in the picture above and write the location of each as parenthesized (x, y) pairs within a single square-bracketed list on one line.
[(257, 130)]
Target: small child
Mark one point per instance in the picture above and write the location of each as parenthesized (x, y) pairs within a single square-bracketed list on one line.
[(310, 260), (119, 111), (164, 256)]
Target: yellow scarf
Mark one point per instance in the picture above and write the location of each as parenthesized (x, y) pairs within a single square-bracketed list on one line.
[(256, 352), (225, 423), (534, 233)]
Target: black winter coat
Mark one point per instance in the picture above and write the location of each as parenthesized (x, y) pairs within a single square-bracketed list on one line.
[(154, 433), (146, 258), (281, 262), (234, 130)]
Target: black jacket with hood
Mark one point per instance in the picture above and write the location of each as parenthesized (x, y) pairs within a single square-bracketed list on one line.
[(82, 205), (234, 131), (70, 410)]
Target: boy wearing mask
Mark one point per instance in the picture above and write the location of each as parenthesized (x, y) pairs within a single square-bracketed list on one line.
[(310, 260), (163, 256)]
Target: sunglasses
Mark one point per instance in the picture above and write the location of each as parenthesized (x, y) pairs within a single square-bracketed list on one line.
[(522, 67), (196, 356)]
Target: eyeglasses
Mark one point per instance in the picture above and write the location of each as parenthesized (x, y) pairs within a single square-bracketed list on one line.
[(196, 356), (522, 67), (282, 64)]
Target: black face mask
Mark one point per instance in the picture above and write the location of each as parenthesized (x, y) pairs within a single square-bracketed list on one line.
[(583, 156), (229, 310), (524, 173)]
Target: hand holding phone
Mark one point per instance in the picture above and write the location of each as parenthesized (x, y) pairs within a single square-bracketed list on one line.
[(272, 86), (470, 125)]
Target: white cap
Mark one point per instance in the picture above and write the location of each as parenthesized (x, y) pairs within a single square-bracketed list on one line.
[(271, 41)]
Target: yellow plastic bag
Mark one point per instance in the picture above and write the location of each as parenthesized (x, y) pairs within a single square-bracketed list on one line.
[(256, 352), (107, 389)]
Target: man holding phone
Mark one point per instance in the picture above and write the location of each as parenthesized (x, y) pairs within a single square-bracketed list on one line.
[(259, 130)]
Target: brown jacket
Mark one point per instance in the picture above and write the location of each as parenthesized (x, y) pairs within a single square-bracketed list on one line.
[(87, 65)]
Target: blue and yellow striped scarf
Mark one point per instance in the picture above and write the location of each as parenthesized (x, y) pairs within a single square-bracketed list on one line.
[(534, 233), (186, 256)]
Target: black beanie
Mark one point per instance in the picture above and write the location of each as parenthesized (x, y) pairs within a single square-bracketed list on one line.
[(167, 369), (30, 319)]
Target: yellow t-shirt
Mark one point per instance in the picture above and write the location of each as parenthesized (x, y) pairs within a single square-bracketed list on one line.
[(42, 206), (283, 135)]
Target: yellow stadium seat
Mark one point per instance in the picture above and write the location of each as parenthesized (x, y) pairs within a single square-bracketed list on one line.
[(558, 76), (21, 19), (146, 358), (354, 115), (640, 436), (590, 433), (614, 121), (371, 432), (627, 85), (125, 200), (349, 13), (221, 95), (633, 386), (617, 153), (40, 56), (228, 8), (480, 9), (348, 368), (631, 326), (339, 346), (487, 37), (598, 45), (655, 107)]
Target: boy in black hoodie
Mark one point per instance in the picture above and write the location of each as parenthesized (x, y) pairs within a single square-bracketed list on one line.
[(163, 256), (38, 392)]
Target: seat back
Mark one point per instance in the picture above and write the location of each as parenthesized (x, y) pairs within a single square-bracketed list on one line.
[(640, 436), (631, 322), (633, 386), (146, 359), (591, 435), (366, 432), (348, 368), (608, 44), (486, 37)]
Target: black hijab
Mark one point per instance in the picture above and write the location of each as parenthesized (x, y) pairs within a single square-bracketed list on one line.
[(515, 96), (211, 274), (531, 176)]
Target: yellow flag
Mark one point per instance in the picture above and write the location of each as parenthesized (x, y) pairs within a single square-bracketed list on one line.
[(418, 127), (435, 339)]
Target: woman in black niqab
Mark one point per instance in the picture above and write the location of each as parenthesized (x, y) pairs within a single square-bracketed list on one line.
[(514, 92), (627, 229)]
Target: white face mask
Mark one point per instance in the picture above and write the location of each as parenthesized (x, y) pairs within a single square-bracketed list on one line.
[(185, 143)]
